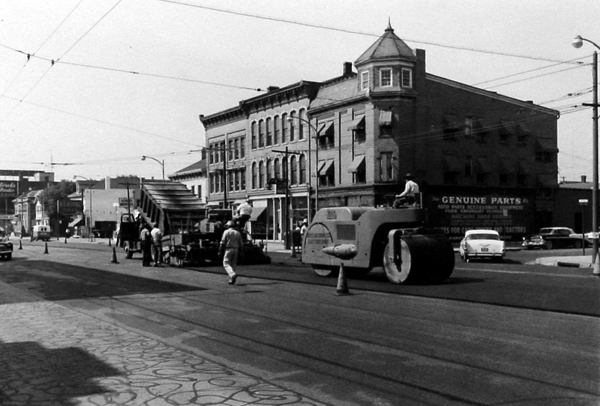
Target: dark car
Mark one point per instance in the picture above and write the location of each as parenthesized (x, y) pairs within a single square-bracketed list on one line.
[(554, 237), (6, 248)]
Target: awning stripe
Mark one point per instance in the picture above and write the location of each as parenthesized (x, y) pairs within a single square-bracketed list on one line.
[(325, 167), (357, 124), (356, 163)]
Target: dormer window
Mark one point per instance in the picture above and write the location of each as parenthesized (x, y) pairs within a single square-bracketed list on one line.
[(407, 78), (385, 77), (364, 80)]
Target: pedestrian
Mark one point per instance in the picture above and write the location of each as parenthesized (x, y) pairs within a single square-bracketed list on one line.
[(229, 250), (146, 245), (303, 229), (407, 197), (244, 212), (157, 244)]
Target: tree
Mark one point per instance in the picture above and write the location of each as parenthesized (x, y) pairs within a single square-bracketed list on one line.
[(53, 194)]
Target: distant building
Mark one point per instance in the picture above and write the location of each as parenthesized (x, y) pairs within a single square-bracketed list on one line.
[(194, 178), (18, 192), (483, 160)]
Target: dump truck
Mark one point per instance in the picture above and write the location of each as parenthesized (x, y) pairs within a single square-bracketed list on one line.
[(191, 231), (395, 239)]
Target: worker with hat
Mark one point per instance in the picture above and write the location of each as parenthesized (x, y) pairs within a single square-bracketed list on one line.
[(229, 249), (244, 212), (407, 197)]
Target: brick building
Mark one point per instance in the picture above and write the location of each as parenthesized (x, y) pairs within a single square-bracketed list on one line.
[(482, 159)]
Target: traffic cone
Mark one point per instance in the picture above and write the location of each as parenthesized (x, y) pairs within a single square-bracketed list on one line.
[(342, 285), (20, 245), (45, 248), (114, 257)]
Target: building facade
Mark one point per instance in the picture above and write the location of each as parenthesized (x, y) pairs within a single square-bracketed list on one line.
[(482, 159), (194, 178)]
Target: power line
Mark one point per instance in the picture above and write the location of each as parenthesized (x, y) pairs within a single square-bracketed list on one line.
[(329, 28)]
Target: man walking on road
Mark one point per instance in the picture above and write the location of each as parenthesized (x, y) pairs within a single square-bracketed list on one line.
[(157, 244), (231, 245)]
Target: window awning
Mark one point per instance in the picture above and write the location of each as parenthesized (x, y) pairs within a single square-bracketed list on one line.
[(357, 124), (451, 163), (357, 164), (545, 144), (325, 167), (324, 129), (257, 212), (75, 222), (385, 118)]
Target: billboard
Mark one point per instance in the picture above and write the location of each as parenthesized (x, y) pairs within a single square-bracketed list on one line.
[(8, 188), (70, 207), (455, 213)]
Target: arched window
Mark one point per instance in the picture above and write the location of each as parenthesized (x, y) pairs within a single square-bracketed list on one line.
[(284, 128), (277, 169), (269, 131), (293, 124), (285, 173), (302, 125), (253, 134), (302, 165), (254, 175), (294, 170), (261, 175), (276, 129), (261, 133), (269, 170)]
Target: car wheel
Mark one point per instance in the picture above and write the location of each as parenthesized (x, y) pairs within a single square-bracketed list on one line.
[(548, 245), (465, 257), (8, 256)]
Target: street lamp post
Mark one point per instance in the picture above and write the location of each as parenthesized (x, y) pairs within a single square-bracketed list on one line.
[(91, 226), (578, 43), (312, 127), (161, 163)]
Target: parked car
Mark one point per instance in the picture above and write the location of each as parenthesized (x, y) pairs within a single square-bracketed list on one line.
[(481, 244), (555, 237), (6, 248)]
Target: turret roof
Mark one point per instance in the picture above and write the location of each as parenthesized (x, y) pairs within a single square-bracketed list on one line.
[(388, 46)]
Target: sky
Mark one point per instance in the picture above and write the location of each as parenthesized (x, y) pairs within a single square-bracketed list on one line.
[(88, 87)]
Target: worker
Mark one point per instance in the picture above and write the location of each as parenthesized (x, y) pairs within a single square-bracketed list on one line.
[(244, 212), (229, 249), (407, 197), (146, 245), (156, 244)]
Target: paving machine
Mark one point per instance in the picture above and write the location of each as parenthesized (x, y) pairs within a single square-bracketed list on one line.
[(394, 239)]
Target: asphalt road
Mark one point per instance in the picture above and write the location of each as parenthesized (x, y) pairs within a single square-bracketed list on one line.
[(493, 334)]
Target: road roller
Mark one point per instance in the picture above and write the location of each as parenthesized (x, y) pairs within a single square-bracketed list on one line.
[(396, 239)]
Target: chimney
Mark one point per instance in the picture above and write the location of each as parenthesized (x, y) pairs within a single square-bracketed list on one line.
[(583, 178), (347, 69), (272, 88)]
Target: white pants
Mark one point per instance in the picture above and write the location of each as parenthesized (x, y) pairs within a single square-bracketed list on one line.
[(230, 261)]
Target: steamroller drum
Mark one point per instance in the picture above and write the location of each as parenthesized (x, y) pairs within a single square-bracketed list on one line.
[(423, 259), (326, 270)]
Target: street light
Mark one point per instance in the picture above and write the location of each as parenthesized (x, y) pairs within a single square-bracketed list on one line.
[(91, 230), (161, 163), (312, 127), (578, 43)]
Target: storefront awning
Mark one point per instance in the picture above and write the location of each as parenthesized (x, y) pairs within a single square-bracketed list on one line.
[(385, 118), (256, 213), (325, 167), (356, 164), (75, 222), (357, 124)]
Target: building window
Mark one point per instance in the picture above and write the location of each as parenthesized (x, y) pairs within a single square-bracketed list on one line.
[(407, 78), (261, 175), (364, 80), (253, 134), (261, 133), (269, 131), (468, 165), (276, 169), (385, 77), (284, 128), (302, 124), (294, 170), (236, 148), (276, 130), (242, 147), (468, 127), (386, 169), (243, 179), (292, 125), (230, 150), (193, 189), (254, 175), (269, 171), (302, 165)]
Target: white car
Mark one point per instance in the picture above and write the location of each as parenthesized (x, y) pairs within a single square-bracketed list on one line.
[(482, 244)]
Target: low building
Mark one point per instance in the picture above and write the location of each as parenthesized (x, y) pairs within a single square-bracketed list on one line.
[(194, 178)]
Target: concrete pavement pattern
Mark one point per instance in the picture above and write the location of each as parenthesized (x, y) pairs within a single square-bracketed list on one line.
[(55, 356)]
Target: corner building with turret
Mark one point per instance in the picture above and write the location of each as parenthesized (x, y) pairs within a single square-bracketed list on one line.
[(481, 159)]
